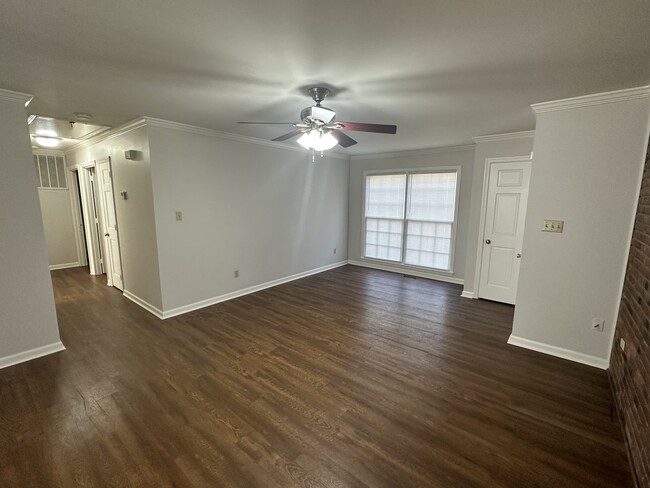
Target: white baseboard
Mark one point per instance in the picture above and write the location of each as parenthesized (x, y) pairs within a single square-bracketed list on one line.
[(407, 271), (144, 304), (559, 352), (64, 266), (246, 291), (468, 294), (37, 352)]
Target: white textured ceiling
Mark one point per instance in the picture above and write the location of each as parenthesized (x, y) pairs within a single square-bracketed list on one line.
[(443, 71)]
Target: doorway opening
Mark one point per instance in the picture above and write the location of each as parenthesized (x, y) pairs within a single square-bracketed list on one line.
[(97, 229)]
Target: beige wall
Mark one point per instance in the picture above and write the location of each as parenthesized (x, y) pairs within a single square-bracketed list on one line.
[(28, 323)]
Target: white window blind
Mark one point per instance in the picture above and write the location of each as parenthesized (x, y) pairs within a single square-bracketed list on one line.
[(430, 216), (384, 216), (409, 218)]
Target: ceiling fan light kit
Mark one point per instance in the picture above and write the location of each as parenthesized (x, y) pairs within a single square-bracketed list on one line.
[(317, 140), (318, 129)]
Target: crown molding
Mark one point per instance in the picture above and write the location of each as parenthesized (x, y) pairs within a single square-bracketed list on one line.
[(414, 152), (203, 131), (14, 96), (109, 134), (526, 134), (594, 99)]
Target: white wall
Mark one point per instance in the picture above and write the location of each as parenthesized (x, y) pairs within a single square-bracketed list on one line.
[(135, 216), (28, 323), (453, 156), (264, 210), (60, 238), (499, 146), (587, 166)]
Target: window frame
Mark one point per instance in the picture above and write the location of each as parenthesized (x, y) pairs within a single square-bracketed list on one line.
[(454, 224)]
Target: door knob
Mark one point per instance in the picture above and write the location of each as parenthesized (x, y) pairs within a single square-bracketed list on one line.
[(518, 254), (107, 235), (488, 241)]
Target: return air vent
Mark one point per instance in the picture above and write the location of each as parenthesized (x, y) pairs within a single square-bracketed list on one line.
[(50, 171)]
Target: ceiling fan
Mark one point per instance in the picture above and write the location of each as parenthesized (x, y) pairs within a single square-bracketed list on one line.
[(320, 131)]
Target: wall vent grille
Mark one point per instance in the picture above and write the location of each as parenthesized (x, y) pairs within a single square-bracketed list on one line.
[(50, 171)]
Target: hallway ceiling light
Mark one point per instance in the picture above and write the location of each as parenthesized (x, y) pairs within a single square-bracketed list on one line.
[(47, 141)]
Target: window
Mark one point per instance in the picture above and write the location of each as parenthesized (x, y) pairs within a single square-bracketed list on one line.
[(50, 171), (410, 218)]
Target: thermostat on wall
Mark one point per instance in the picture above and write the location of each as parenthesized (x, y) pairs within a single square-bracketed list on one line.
[(131, 154)]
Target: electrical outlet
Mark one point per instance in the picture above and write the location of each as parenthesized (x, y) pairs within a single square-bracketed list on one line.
[(179, 215), (598, 324), (553, 226), (236, 273), (621, 344)]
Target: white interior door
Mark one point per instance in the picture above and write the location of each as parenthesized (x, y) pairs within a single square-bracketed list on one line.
[(109, 221), (87, 187), (505, 214)]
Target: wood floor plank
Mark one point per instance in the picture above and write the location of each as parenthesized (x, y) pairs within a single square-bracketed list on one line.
[(348, 378)]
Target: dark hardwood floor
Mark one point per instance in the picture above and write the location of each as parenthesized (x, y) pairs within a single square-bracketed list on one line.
[(349, 378)]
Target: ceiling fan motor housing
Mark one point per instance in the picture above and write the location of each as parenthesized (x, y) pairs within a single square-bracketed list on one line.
[(323, 114)]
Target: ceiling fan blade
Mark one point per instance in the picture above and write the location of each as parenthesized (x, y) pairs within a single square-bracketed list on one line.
[(268, 123), (344, 139), (288, 135), (358, 126)]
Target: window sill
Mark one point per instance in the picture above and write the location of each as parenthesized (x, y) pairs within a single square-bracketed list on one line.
[(447, 276)]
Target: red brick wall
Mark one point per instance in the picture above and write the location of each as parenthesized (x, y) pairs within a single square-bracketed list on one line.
[(630, 369)]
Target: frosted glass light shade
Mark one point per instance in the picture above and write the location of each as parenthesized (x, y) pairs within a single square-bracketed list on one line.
[(46, 141), (305, 140), (325, 141), (317, 140)]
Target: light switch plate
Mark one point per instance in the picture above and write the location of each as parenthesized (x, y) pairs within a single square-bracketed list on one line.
[(553, 226), (179, 215)]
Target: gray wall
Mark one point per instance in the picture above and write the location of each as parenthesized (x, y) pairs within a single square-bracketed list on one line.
[(135, 216), (59, 228), (517, 146), (587, 167), (268, 212), (27, 314)]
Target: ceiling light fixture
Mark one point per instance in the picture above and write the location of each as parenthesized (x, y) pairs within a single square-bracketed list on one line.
[(47, 141), (47, 133), (318, 140), (83, 116)]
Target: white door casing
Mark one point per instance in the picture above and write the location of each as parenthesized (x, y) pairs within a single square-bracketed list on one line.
[(505, 215), (87, 185), (109, 224)]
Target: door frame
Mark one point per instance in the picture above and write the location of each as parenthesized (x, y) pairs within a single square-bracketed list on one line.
[(108, 253), (72, 175), (484, 197), (93, 241)]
